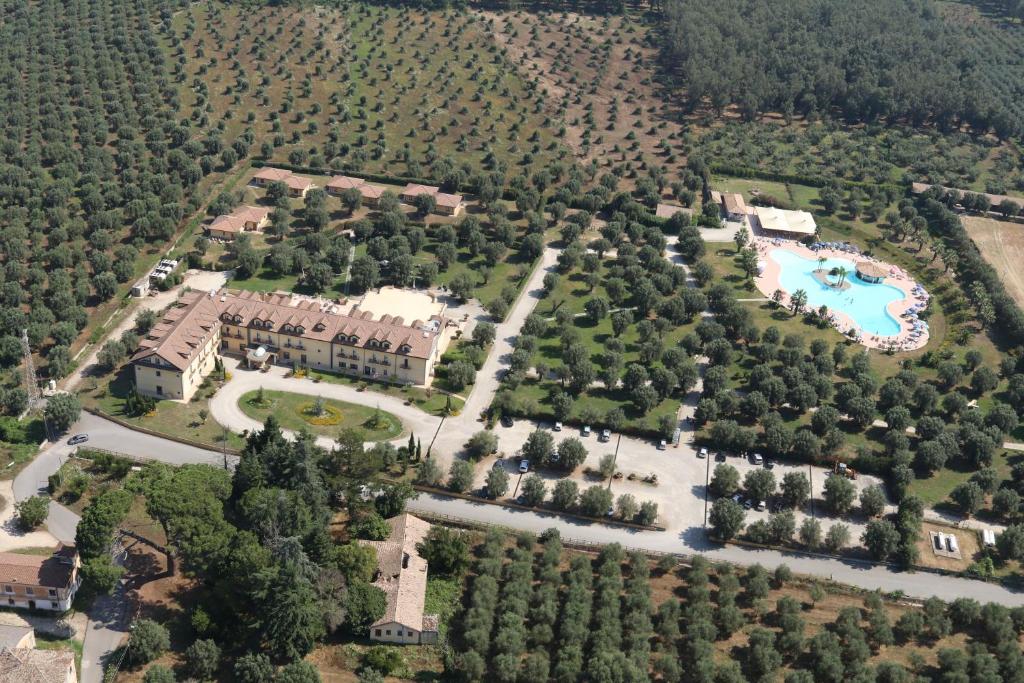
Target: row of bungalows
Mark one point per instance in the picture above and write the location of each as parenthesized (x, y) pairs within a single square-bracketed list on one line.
[(298, 186), (181, 349), (242, 219)]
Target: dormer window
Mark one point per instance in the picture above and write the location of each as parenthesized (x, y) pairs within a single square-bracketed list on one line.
[(386, 345), (300, 329), (353, 339), (286, 328), (318, 327), (238, 320), (405, 348)]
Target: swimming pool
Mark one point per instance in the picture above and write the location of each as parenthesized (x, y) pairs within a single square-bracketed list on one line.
[(864, 303)]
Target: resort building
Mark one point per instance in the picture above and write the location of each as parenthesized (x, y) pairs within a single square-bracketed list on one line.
[(262, 328), (243, 219), (38, 581), (402, 576), (370, 193), (180, 350), (446, 204), (782, 223), (870, 272)]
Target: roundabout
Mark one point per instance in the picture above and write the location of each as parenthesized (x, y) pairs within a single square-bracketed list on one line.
[(318, 415)]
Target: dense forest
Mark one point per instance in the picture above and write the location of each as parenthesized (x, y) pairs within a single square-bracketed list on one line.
[(95, 166), (867, 61)]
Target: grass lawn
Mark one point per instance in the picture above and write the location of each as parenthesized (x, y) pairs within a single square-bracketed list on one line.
[(443, 597), (181, 420), (427, 400), (297, 411), (936, 489)]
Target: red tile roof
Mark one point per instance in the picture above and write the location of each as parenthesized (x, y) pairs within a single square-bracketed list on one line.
[(54, 571)]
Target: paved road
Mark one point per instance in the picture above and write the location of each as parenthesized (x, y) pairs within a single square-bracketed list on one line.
[(693, 540), (108, 622)]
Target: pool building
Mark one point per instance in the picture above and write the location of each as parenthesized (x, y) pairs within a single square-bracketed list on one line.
[(870, 272)]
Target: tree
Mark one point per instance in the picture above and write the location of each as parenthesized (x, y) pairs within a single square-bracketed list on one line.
[(796, 489), (459, 374), (484, 333), (759, 484), (497, 482), (595, 501), (351, 199), (445, 550), (571, 454), (253, 667), (839, 495), (202, 658), (762, 657), (726, 518), (810, 533), (298, 672), (725, 481), (481, 444), (533, 490), (881, 538), (158, 673), (32, 512), (364, 604), (565, 495), (147, 641), (62, 411), (872, 501), (837, 538), (969, 497), (782, 526), (539, 447), (460, 476)]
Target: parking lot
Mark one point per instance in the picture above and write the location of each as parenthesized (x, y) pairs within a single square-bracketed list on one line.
[(681, 475)]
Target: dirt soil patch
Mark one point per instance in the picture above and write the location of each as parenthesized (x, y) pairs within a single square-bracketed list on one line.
[(966, 539), (1002, 245)]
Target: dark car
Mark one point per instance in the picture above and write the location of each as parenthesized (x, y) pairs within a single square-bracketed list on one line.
[(77, 439), (506, 421), (719, 456)]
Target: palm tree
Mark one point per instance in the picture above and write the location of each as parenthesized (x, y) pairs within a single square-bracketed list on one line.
[(798, 300), (842, 275), (821, 262)]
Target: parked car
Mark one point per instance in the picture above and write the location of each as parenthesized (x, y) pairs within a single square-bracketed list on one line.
[(702, 453), (606, 435), (586, 430), (611, 512), (506, 421), (748, 503), (662, 445), (769, 464), (762, 506), (557, 427), (524, 466), (77, 439), (758, 460), (719, 456), (737, 497)]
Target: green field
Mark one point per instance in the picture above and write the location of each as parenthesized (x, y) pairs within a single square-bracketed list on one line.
[(299, 411)]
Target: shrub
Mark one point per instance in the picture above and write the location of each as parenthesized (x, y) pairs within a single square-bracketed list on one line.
[(202, 659), (148, 640), (32, 512)]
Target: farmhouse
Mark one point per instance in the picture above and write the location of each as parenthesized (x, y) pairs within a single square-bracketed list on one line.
[(243, 219), (781, 223), (278, 328), (40, 582), (402, 575), (298, 187), (734, 207), (29, 665), (370, 193)]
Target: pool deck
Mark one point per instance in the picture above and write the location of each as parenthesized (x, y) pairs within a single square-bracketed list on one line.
[(769, 280)]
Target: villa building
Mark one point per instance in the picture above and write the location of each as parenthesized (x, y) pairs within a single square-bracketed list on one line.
[(298, 186), (243, 219), (370, 193), (262, 328), (734, 207), (38, 581), (402, 576), (446, 204)]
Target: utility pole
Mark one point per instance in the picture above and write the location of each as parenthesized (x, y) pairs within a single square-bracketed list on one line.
[(224, 447), (707, 485)]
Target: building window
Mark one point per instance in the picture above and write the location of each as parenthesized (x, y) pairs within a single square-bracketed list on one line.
[(8, 589), (29, 591), (388, 632), (378, 633), (158, 373), (405, 363), (287, 355), (53, 592), (159, 389), (53, 605)]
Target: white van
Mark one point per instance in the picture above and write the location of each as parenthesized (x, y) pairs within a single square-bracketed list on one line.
[(758, 460)]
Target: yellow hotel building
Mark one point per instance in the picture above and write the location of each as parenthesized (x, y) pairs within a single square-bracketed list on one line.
[(262, 328)]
